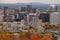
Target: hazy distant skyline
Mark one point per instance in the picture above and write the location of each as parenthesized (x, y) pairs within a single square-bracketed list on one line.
[(27, 1)]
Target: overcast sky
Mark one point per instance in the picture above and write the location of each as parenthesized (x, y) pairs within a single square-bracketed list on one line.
[(27, 1)]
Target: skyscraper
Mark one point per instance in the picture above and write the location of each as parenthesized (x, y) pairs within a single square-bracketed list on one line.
[(17, 15), (5, 13), (23, 9), (52, 8), (34, 10), (55, 18), (29, 8), (44, 17)]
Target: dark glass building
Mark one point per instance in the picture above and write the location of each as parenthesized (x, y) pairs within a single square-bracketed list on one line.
[(29, 8), (5, 13), (44, 17)]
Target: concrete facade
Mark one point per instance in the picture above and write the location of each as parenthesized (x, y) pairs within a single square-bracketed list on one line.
[(55, 18)]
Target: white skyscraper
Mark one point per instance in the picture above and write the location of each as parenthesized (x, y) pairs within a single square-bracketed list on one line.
[(55, 18)]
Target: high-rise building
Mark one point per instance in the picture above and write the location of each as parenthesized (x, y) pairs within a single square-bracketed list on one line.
[(22, 16), (29, 8), (17, 15), (32, 17), (34, 10), (12, 12), (44, 17), (1, 15), (52, 8), (5, 13), (19, 9), (23, 9), (55, 18), (27, 17)]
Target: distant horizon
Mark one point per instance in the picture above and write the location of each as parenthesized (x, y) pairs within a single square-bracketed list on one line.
[(28, 1), (22, 2)]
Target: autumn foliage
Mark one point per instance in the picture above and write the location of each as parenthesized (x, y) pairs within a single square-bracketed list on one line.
[(34, 37), (5, 37), (46, 37)]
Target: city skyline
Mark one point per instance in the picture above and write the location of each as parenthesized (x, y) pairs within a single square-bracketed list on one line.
[(28, 1)]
